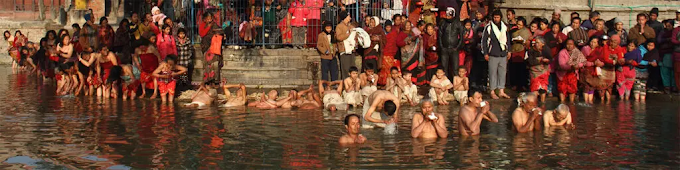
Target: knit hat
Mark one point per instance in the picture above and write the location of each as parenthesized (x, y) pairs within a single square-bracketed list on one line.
[(343, 15), (617, 20), (558, 11), (388, 22), (155, 8), (654, 11), (678, 11)]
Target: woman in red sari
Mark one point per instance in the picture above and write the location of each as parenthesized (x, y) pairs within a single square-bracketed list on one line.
[(106, 61), (147, 58), (595, 60)]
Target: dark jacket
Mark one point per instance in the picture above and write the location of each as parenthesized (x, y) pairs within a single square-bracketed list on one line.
[(451, 34), (656, 26), (491, 45)]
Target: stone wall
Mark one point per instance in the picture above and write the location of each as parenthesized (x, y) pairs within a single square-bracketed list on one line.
[(626, 10), (266, 68)]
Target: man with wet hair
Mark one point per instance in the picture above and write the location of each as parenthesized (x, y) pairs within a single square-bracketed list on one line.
[(428, 124), (472, 113), (526, 117), (352, 124), (384, 101), (559, 117)]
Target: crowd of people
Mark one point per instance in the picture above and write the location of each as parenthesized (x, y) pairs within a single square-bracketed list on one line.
[(143, 54), (544, 56)]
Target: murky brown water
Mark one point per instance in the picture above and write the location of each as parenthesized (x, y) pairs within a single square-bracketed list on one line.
[(42, 131)]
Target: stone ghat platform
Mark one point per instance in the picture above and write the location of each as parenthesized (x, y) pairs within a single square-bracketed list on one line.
[(266, 68)]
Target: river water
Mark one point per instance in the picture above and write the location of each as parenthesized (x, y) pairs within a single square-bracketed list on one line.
[(39, 130)]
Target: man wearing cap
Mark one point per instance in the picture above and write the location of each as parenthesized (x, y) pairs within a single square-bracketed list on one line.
[(618, 30), (495, 48), (677, 19), (556, 17), (342, 32), (450, 30), (589, 24), (653, 22), (641, 32), (88, 34)]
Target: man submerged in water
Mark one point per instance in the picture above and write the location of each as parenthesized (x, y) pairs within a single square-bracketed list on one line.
[(352, 124), (526, 117), (233, 101), (561, 116), (384, 101), (269, 101), (472, 113), (428, 124)]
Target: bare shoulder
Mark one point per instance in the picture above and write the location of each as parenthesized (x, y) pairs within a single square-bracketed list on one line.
[(517, 113), (417, 116), (344, 139)]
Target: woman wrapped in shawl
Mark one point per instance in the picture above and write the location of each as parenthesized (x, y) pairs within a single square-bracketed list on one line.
[(539, 58), (625, 75), (589, 75), (615, 53), (570, 60), (412, 54), (105, 34)]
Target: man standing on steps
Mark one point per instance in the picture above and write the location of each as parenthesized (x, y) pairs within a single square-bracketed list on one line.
[(450, 33), (495, 47), (342, 32)]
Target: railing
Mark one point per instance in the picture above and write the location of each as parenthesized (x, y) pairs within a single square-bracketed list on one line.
[(262, 23)]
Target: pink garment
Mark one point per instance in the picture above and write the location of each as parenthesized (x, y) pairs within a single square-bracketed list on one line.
[(314, 7), (625, 78), (563, 63), (166, 45), (299, 14)]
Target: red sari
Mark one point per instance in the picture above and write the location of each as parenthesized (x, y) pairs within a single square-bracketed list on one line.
[(149, 62), (393, 41)]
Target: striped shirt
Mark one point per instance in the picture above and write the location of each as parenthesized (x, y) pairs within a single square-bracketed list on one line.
[(580, 36)]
